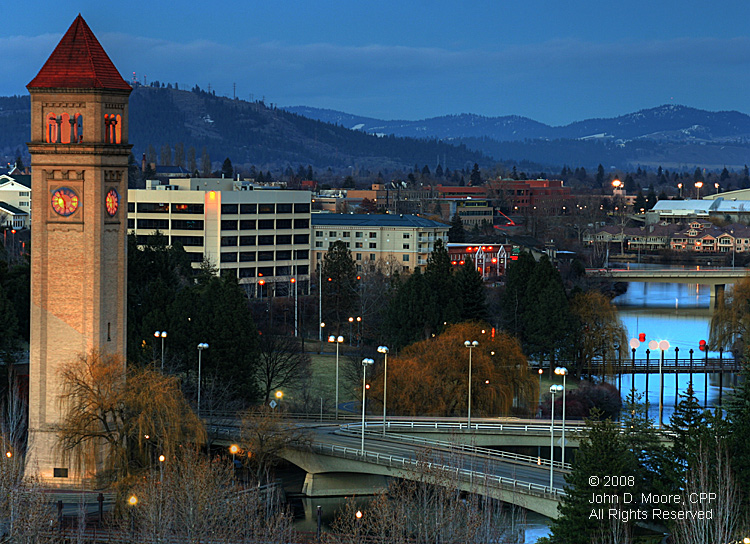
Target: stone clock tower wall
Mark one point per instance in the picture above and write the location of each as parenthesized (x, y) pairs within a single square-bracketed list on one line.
[(79, 150)]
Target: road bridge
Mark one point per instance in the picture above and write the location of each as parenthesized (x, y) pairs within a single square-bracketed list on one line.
[(336, 465)]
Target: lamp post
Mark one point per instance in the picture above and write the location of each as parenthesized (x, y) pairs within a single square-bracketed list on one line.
[(562, 371), (679, 186), (365, 364), (716, 186), (384, 350), (279, 395), (337, 340), (698, 185), (553, 389), (201, 347), (351, 320), (359, 331), (471, 345), (541, 371), (233, 449), (296, 321), (162, 335)]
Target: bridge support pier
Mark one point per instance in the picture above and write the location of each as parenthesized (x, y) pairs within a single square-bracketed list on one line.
[(716, 293), (335, 484)]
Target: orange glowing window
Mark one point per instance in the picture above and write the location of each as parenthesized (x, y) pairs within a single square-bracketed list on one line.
[(118, 129), (51, 135), (66, 128), (212, 195)]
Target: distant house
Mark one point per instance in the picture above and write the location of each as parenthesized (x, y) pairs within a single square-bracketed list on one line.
[(15, 196)]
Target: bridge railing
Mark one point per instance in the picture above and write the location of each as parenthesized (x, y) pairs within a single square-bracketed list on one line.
[(463, 448), (438, 424), (471, 477)]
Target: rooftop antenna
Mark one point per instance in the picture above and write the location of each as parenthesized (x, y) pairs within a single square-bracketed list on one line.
[(234, 91)]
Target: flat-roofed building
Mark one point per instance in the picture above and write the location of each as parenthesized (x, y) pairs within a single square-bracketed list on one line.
[(261, 236), (392, 242)]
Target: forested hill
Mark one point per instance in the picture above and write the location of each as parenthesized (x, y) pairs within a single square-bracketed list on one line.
[(247, 133)]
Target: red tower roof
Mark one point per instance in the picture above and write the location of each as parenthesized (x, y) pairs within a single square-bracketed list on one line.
[(79, 62)]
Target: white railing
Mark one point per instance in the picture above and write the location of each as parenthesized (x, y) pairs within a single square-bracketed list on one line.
[(424, 425), (454, 446), (471, 476)]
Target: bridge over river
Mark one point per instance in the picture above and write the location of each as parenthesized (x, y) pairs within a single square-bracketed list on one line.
[(445, 450)]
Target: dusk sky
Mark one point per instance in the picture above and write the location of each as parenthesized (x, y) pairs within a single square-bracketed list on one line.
[(555, 62)]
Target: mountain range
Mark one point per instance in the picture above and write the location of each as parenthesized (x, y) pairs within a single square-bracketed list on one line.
[(270, 137)]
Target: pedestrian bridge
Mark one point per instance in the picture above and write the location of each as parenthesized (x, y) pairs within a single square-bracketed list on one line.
[(716, 277)]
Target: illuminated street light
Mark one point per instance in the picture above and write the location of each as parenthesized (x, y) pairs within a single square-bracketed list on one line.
[(698, 185), (562, 371), (471, 346), (365, 364), (201, 347), (162, 335), (553, 389), (384, 350), (337, 340)]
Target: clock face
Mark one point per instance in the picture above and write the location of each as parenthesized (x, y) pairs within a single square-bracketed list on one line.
[(65, 201), (112, 202)]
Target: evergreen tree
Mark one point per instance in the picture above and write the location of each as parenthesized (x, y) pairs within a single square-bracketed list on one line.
[(599, 176), (226, 169), (340, 291), (602, 453), (405, 315), (513, 299), (471, 294), (475, 179), (456, 234), (441, 306), (205, 164), (650, 199), (179, 155), (547, 322), (192, 163), (687, 426), (348, 183), (640, 202), (738, 430)]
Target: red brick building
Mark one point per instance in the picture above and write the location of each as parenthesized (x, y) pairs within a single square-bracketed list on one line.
[(527, 196)]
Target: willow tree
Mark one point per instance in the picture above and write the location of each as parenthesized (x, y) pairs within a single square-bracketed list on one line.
[(730, 324), (116, 421), (431, 377), (600, 334)]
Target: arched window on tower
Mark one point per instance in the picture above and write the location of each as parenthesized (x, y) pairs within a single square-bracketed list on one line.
[(51, 131), (118, 129), (65, 128), (78, 129), (111, 128)]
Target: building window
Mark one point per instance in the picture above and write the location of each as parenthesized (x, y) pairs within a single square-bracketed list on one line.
[(187, 224), (285, 255), (301, 223), (131, 223), (248, 208), (152, 207), (302, 208), (332, 234), (266, 240), (247, 224), (265, 208), (359, 256), (190, 241), (229, 208), (158, 224), (265, 255), (318, 233), (283, 239), (265, 271), (318, 244), (229, 224), (358, 235), (228, 241), (228, 257), (247, 272), (247, 240), (372, 256), (183, 208), (283, 208), (302, 254), (406, 246), (265, 224), (373, 235), (247, 256), (283, 223), (301, 239), (346, 234), (407, 235), (373, 245), (405, 258)]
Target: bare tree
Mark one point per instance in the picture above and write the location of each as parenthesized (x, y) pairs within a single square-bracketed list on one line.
[(281, 364), (264, 435), (193, 499)]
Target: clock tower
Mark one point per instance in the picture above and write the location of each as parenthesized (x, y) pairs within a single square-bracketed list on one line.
[(79, 157)]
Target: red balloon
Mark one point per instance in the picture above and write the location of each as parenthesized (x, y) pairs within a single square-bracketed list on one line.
[(642, 337)]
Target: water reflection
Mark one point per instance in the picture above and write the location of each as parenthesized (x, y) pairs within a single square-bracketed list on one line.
[(681, 314)]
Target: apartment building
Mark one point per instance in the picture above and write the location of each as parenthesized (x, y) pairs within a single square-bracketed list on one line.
[(15, 201), (393, 242), (261, 236)]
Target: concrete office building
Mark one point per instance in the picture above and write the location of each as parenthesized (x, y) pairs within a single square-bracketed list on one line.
[(261, 236)]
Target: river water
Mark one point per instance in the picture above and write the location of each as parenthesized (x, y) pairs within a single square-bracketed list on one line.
[(681, 314)]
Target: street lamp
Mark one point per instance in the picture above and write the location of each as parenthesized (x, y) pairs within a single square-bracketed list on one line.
[(662, 346), (384, 350), (233, 449), (162, 335), (553, 389), (365, 364), (698, 185), (359, 331), (562, 371), (679, 186), (616, 183), (279, 395), (201, 347), (337, 340), (716, 186), (471, 346), (351, 320), (541, 371)]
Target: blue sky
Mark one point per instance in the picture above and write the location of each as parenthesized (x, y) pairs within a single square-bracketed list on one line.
[(555, 62)]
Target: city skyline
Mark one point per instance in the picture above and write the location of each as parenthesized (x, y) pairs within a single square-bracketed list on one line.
[(553, 63)]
